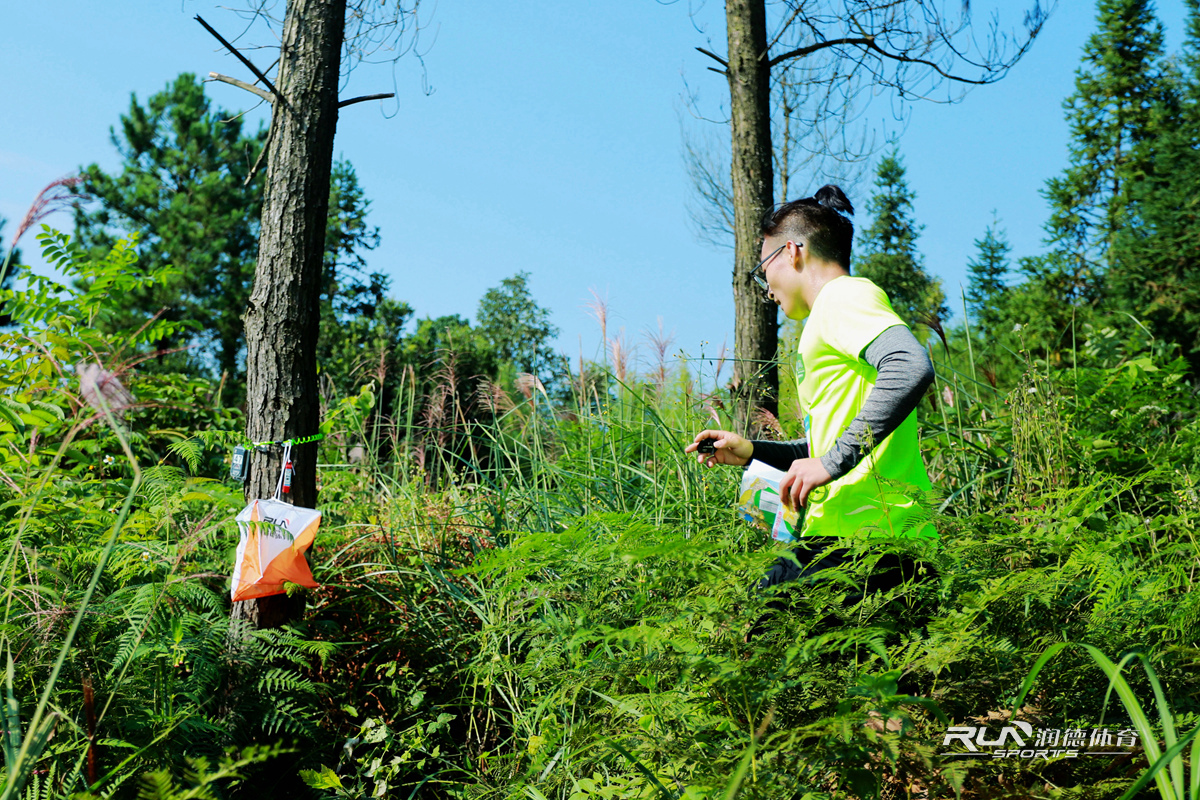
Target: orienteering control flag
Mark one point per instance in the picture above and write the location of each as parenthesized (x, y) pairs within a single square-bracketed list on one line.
[(274, 536)]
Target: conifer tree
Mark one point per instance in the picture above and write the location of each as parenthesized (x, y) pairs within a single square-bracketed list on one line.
[(1113, 115), (986, 288), (1156, 275), (182, 188), (889, 254)]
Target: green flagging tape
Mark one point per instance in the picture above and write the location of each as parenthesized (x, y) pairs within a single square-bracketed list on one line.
[(316, 437)]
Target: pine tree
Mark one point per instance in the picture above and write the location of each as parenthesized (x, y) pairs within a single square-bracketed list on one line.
[(182, 188), (1114, 114), (347, 288), (1122, 101), (889, 254), (986, 288), (1156, 276)]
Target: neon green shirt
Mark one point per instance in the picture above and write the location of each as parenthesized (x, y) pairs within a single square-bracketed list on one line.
[(881, 495)]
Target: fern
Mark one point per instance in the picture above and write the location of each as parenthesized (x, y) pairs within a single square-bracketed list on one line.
[(162, 482), (200, 780), (42, 786), (139, 607), (190, 450)]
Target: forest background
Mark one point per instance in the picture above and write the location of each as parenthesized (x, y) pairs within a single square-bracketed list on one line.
[(526, 590)]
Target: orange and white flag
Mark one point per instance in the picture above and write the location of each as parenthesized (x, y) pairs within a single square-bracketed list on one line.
[(274, 536)]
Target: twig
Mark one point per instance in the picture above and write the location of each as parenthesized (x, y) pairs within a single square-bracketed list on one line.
[(869, 43), (243, 59), (261, 153), (907, 60), (249, 87), (364, 98), (783, 30), (714, 57), (241, 114)]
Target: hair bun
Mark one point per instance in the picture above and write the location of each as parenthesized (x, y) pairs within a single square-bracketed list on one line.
[(833, 197)]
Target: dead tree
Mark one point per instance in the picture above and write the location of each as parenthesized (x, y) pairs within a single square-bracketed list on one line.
[(822, 57), (282, 320)]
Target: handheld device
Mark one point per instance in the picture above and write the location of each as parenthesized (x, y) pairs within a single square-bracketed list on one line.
[(707, 446), (237, 467)]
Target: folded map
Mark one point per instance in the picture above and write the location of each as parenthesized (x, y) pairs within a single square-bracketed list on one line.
[(758, 502)]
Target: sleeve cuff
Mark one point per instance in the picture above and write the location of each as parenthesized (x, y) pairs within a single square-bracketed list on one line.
[(779, 455)]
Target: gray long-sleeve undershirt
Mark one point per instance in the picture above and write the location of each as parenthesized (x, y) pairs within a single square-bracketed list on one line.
[(905, 372)]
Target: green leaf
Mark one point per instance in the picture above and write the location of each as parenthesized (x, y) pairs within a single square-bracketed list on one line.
[(21, 753), (10, 411), (1171, 758), (325, 779), (739, 775)]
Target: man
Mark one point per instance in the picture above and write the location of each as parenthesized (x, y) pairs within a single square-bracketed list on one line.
[(860, 374)]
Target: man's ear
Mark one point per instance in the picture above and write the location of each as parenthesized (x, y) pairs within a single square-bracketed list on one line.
[(800, 257)]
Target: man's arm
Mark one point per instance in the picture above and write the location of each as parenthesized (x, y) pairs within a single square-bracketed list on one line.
[(779, 455), (905, 372)]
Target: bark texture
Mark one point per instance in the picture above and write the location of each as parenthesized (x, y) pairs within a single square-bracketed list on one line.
[(756, 326), (282, 320)]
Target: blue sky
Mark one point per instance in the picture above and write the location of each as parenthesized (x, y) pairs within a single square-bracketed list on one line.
[(551, 143)]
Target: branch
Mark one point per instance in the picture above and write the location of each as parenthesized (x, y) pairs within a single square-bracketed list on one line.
[(908, 60), (263, 93), (783, 30), (714, 57), (364, 98), (869, 43), (243, 59), (261, 153), (812, 48)]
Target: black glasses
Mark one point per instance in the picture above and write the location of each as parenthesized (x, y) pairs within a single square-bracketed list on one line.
[(759, 272)]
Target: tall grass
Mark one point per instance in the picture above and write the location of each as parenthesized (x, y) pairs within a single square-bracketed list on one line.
[(23, 748), (112, 627), (532, 592), (1169, 767), (603, 651)]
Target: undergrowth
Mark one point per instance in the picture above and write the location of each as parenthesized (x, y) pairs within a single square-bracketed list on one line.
[(544, 598)]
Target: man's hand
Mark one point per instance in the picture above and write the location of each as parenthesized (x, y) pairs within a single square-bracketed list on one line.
[(729, 448), (804, 475)]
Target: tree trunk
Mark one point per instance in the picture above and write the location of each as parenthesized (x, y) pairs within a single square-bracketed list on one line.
[(756, 327), (284, 311)]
